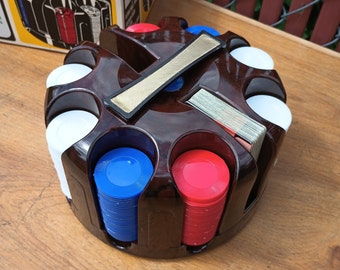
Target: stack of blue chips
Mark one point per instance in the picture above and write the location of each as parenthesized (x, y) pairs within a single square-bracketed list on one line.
[(120, 176)]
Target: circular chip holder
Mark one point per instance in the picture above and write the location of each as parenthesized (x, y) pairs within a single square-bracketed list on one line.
[(127, 89)]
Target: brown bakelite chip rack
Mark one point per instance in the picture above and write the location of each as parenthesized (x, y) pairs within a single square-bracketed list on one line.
[(164, 126)]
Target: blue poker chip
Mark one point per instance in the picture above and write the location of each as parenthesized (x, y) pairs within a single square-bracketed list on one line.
[(176, 85), (132, 215), (116, 203), (111, 209), (128, 224), (196, 29), (123, 235), (122, 173), (121, 226)]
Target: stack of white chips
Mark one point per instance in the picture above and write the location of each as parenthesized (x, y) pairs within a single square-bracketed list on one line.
[(69, 127), (268, 107)]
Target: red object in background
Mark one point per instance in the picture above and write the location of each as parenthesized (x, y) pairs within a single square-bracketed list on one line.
[(65, 20)]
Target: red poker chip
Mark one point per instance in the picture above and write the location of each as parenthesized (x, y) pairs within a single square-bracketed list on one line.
[(142, 28), (201, 176), (200, 206)]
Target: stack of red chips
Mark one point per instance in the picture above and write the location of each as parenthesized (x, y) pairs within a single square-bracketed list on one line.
[(202, 178)]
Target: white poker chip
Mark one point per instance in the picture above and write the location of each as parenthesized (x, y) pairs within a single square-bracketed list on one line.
[(66, 74), (272, 109), (253, 57)]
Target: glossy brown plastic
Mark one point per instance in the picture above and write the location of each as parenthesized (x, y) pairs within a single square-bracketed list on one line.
[(163, 129)]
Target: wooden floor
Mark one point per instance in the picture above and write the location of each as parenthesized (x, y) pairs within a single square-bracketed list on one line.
[(297, 224)]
